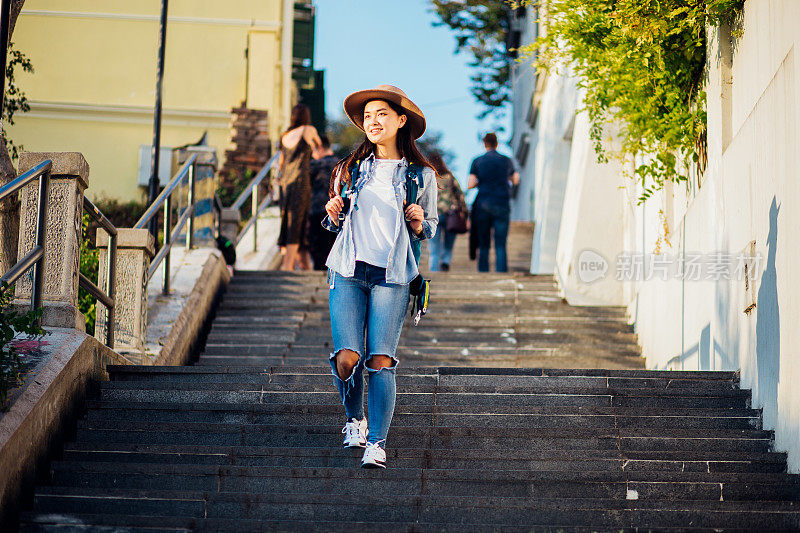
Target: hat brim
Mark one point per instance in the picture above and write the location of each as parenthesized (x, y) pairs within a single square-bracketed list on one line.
[(354, 108)]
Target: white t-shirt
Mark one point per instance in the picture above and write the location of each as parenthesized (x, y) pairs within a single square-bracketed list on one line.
[(375, 220)]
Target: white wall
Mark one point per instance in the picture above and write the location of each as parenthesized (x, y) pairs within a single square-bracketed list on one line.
[(592, 204), (523, 80), (750, 193), (551, 166)]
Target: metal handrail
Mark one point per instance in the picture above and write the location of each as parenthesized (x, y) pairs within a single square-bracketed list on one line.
[(253, 221), (240, 200), (107, 297), (164, 199), (161, 198), (255, 207), (34, 258), (165, 249), (218, 208)]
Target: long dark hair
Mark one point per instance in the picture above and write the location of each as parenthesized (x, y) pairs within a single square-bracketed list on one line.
[(438, 164), (301, 116), (405, 145)]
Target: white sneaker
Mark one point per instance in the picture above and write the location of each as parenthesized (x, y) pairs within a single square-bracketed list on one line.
[(355, 433), (374, 457)]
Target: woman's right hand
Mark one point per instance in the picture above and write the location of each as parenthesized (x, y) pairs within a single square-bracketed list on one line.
[(334, 207)]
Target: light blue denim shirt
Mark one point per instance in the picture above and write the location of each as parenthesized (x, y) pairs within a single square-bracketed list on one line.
[(401, 267)]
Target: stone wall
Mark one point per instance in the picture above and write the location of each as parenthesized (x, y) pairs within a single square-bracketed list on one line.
[(252, 147), (42, 407)]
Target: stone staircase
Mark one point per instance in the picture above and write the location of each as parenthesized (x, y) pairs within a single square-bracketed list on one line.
[(483, 438)]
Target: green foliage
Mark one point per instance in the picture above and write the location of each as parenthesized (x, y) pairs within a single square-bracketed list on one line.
[(641, 63), (12, 323), (123, 214), (89, 266), (481, 27), (15, 99), (232, 186)]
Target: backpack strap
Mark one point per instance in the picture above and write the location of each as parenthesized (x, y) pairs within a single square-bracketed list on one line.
[(414, 183), (354, 174)]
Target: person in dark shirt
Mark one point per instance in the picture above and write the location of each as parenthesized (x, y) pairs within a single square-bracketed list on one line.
[(320, 240), (494, 175)]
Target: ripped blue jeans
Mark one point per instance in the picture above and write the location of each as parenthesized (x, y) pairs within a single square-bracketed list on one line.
[(367, 317)]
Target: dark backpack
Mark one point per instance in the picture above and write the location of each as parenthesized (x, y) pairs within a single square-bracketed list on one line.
[(228, 249)]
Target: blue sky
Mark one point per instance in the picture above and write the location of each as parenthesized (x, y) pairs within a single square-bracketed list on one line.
[(361, 44)]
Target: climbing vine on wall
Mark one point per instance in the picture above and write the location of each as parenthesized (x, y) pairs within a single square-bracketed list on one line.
[(641, 63)]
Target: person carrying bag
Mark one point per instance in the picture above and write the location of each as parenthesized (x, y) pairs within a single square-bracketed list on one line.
[(391, 189), (452, 216)]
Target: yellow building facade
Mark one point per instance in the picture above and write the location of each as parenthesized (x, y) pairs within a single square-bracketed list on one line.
[(93, 89)]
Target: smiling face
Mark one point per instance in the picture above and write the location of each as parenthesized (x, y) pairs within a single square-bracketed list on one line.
[(381, 122)]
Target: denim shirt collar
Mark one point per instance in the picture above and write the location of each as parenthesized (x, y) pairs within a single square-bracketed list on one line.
[(401, 267), (368, 166)]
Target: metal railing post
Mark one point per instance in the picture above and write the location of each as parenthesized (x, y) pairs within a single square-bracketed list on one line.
[(108, 297), (218, 225), (167, 225), (255, 218), (111, 289), (190, 205), (41, 226)]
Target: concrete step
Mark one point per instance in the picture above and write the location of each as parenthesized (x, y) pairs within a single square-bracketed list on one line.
[(648, 485), (553, 460), (522, 386), (546, 394), (434, 357), (442, 376), (639, 411), (703, 460), (116, 523), (422, 509), (637, 439), (458, 425), (440, 370), (326, 395), (288, 414)]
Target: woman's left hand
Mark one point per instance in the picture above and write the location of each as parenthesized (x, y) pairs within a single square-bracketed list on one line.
[(415, 215)]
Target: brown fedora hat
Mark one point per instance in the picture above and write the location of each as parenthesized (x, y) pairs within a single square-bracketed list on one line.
[(354, 107)]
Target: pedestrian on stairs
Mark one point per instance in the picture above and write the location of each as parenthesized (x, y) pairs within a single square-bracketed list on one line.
[(451, 203), (495, 177), (373, 260), (320, 241), (297, 145)]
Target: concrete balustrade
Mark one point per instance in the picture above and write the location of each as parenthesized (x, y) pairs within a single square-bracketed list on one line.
[(205, 186), (135, 250), (229, 224), (69, 179)]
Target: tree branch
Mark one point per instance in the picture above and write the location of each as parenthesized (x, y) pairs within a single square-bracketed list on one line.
[(9, 208)]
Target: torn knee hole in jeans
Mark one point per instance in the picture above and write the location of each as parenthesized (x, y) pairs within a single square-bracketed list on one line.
[(335, 364), (388, 368)]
